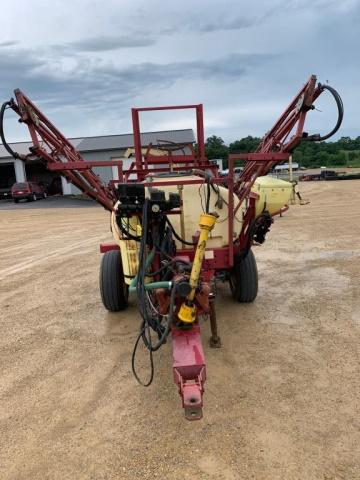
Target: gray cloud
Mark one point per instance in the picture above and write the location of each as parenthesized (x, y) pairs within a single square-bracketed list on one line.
[(106, 43), (231, 24), (9, 43), (171, 54), (227, 21), (95, 82), (293, 6), (18, 64), (203, 26)]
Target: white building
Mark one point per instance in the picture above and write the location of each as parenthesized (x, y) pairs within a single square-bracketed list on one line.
[(108, 147), (286, 166)]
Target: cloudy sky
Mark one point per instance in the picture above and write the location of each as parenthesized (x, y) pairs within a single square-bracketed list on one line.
[(87, 62)]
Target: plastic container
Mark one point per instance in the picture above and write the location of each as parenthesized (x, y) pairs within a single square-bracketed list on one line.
[(273, 194)]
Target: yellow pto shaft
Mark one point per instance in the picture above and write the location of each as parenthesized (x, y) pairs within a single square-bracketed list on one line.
[(187, 312)]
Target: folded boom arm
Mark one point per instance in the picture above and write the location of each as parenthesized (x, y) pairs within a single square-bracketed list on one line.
[(50, 145), (276, 146)]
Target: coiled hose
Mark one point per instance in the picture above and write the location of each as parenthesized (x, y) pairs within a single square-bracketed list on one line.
[(4, 106), (340, 107)]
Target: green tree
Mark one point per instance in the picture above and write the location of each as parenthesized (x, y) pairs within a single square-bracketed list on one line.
[(215, 148), (345, 143), (339, 159), (322, 158), (245, 145), (307, 154), (353, 156)]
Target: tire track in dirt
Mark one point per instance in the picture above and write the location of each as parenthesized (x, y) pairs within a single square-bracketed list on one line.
[(40, 259)]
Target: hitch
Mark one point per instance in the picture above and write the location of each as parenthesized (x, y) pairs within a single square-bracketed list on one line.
[(189, 369)]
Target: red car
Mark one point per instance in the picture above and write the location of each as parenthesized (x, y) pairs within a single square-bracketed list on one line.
[(30, 191)]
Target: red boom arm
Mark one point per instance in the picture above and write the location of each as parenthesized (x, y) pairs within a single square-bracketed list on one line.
[(59, 154), (275, 146)]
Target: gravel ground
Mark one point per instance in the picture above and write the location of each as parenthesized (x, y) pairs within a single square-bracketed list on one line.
[(49, 202), (282, 395)]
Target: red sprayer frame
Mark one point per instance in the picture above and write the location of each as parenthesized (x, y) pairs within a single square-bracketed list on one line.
[(142, 166), (59, 154)]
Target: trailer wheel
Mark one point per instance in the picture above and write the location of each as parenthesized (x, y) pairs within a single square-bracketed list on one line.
[(243, 279), (113, 289)]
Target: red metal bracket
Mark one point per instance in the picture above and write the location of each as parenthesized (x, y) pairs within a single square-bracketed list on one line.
[(189, 369), (261, 157), (107, 247), (195, 159)]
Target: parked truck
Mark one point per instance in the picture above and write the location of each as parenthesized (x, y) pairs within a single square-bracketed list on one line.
[(328, 175)]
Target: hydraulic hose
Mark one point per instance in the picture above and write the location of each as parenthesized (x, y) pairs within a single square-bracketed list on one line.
[(340, 108), (4, 106), (148, 343), (177, 236), (207, 208), (153, 286), (149, 322)]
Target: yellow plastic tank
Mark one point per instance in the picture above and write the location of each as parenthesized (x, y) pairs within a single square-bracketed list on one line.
[(129, 249), (194, 197), (273, 194)]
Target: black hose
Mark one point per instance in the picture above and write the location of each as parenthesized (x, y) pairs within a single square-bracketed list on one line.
[(141, 292), (149, 322), (127, 234), (4, 106), (208, 179), (207, 206), (192, 244), (166, 330), (145, 327), (167, 265), (340, 107), (149, 382)]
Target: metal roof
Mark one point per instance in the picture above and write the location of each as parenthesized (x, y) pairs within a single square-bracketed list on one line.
[(112, 142)]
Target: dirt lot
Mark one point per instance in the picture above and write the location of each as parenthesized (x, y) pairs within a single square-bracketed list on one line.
[(282, 399), (347, 170)]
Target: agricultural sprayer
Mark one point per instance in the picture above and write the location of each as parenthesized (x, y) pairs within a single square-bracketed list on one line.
[(178, 226)]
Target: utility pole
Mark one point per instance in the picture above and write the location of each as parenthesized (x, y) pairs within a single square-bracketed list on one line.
[(290, 169), (291, 178)]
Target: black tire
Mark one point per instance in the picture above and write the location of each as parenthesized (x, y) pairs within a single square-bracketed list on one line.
[(113, 289), (243, 279), (16, 200)]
